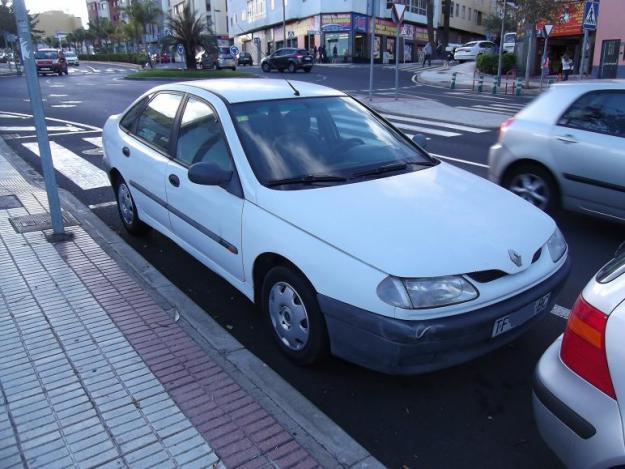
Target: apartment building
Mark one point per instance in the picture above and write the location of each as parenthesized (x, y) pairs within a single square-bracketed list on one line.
[(214, 13), (466, 19), (56, 22), (341, 27)]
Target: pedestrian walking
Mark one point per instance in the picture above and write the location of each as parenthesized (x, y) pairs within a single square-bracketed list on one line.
[(335, 54), (567, 66), (315, 54), (427, 54)]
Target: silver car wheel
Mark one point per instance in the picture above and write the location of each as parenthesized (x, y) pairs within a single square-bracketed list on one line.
[(289, 317), (532, 188), (126, 206)]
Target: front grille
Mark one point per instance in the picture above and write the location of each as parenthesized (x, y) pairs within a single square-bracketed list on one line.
[(485, 276)]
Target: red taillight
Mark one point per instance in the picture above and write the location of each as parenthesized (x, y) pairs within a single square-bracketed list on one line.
[(583, 346), (503, 126)]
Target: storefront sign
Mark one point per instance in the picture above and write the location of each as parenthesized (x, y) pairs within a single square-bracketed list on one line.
[(421, 34), (385, 27), (336, 22), (360, 23), (568, 22)]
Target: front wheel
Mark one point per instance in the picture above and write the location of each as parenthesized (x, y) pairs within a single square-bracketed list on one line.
[(128, 211), (534, 184), (289, 304), (265, 67), (292, 68)]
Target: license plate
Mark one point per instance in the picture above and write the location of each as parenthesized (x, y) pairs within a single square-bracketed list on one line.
[(45, 68), (504, 324)]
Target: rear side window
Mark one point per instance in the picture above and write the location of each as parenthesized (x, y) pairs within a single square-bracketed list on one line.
[(157, 120), (600, 112), (128, 121)]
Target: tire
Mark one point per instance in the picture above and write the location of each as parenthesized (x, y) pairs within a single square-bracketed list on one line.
[(265, 67), (292, 68), (535, 184), (288, 297), (127, 210)]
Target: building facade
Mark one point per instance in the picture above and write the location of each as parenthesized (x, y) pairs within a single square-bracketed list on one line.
[(214, 12), (57, 22), (466, 19), (609, 52), (341, 27)]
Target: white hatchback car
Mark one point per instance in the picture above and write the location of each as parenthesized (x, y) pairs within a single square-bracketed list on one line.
[(567, 148), (471, 50), (350, 237), (579, 387)]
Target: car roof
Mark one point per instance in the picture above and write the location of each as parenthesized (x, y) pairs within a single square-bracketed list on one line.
[(239, 90), (591, 85)]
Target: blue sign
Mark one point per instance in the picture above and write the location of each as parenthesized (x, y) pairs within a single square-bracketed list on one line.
[(180, 49), (234, 50), (591, 12)]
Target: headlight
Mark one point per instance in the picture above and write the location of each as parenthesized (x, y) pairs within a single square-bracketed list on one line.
[(556, 245), (420, 293)]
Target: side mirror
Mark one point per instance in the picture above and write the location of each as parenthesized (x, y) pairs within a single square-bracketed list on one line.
[(420, 140), (209, 174)]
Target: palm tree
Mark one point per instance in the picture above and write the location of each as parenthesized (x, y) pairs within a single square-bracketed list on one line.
[(132, 30), (187, 29), (144, 13)]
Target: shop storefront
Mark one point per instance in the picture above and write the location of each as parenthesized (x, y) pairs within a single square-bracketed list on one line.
[(336, 36)]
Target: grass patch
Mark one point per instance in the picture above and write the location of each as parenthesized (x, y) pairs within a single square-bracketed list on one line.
[(168, 73)]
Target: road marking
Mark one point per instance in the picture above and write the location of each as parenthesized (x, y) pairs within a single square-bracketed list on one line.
[(63, 105), (30, 128), (71, 102), (57, 95), (56, 134), (102, 205), (95, 141), (53, 119), (475, 130), (73, 167), (458, 160), (425, 130), (488, 110)]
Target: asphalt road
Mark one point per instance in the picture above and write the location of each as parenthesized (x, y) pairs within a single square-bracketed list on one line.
[(478, 414)]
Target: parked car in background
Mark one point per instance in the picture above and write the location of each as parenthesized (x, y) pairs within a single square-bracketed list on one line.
[(218, 59), (50, 61), (288, 59), (567, 149), (451, 49), (266, 182), (71, 58), (245, 58), (164, 58), (471, 50), (509, 42), (3, 58), (579, 385)]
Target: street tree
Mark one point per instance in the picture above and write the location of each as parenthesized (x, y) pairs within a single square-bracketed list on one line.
[(446, 16), (8, 25), (187, 28), (430, 20), (143, 13)]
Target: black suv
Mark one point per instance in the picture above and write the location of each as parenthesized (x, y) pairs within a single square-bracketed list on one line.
[(245, 58), (288, 59)]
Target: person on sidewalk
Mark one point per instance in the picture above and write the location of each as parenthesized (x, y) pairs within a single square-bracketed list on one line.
[(567, 66), (335, 54), (427, 54)]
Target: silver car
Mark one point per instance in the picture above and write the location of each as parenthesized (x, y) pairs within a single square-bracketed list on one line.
[(579, 385), (567, 149), (471, 50)]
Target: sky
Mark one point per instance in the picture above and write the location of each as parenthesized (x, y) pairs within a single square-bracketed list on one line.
[(73, 7)]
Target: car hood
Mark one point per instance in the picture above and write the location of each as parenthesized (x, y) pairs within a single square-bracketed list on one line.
[(436, 221)]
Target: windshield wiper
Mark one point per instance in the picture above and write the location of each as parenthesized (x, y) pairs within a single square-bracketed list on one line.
[(305, 179), (390, 167)]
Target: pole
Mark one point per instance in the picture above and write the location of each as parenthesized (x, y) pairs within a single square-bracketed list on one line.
[(581, 63), (283, 24), (503, 28), (542, 65), (34, 92), (528, 58), (397, 59), (371, 41)]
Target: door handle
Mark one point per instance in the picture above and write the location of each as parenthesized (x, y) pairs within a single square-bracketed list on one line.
[(567, 138), (174, 180), (126, 151)]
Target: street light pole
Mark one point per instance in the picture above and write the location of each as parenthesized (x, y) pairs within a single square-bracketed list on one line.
[(503, 27), (283, 24), (371, 40), (34, 93)]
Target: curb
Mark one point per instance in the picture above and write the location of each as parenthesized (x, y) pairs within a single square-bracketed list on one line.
[(311, 428)]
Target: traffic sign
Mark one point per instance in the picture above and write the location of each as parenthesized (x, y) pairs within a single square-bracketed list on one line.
[(180, 49), (234, 50), (548, 28), (290, 34), (256, 40), (397, 12), (591, 12)]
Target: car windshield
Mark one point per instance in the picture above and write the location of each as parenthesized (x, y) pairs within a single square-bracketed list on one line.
[(510, 37), (470, 44), (46, 54), (70, 54), (330, 138)]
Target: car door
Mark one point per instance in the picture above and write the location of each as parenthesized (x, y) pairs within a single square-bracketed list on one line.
[(275, 58), (588, 144), (146, 146), (205, 218)]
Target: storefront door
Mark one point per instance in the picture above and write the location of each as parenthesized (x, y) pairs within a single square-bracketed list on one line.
[(609, 58)]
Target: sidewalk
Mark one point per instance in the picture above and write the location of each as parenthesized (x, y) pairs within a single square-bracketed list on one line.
[(98, 369)]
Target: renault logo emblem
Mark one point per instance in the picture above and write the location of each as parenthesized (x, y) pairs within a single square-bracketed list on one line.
[(515, 257)]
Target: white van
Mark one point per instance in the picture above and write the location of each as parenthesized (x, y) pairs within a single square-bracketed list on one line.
[(509, 41)]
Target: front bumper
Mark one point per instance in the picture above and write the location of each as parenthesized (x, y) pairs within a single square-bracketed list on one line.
[(398, 346), (579, 423)]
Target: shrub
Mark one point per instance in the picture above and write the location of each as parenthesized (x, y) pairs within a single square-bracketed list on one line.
[(488, 63), (134, 58)]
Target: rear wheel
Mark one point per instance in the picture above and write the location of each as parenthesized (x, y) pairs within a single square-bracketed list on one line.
[(265, 67), (292, 68), (534, 184), (128, 210)]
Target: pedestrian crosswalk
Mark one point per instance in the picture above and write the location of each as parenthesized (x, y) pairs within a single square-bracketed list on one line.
[(508, 109), (88, 70)]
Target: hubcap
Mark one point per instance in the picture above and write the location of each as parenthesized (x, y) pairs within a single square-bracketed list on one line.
[(288, 316), (126, 206), (532, 188)]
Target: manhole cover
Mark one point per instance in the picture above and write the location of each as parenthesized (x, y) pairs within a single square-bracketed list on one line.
[(39, 222), (9, 201)]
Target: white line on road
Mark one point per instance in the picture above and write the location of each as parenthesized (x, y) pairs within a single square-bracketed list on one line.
[(425, 130), (486, 109), (95, 141), (53, 119), (395, 117), (63, 105), (56, 134), (73, 167), (102, 205), (30, 128), (458, 160)]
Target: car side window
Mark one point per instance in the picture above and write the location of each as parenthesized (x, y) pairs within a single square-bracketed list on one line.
[(157, 120), (600, 112), (200, 138), (128, 121)]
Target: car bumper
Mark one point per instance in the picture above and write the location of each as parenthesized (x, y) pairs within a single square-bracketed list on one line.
[(464, 56), (580, 424), (48, 68), (396, 346), (499, 158)]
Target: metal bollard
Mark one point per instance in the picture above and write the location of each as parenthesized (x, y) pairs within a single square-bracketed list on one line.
[(494, 90), (519, 87), (453, 80), (480, 84)]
